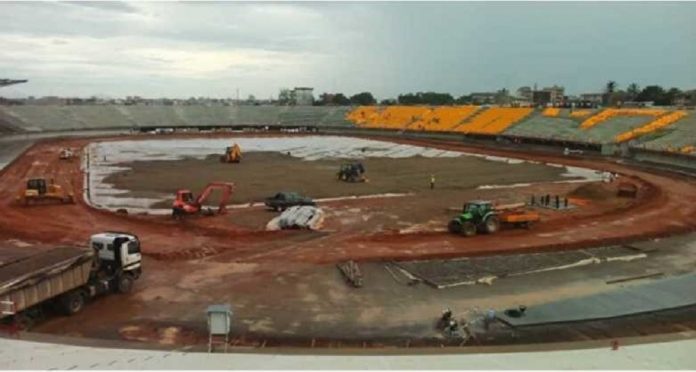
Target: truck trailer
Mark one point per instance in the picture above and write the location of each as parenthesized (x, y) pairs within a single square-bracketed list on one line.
[(66, 277)]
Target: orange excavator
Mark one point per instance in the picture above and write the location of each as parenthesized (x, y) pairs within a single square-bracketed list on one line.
[(185, 204)]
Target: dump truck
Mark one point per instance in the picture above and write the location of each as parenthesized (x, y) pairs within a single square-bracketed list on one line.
[(233, 154), (481, 216), (64, 278), (39, 191), (352, 172), (185, 204)]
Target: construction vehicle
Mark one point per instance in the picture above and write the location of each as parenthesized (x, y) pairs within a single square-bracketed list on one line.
[(482, 216), (352, 172), (185, 204), (66, 153), (66, 277), (233, 154), (39, 191), (284, 200)]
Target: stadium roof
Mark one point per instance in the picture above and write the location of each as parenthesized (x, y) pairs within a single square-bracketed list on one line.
[(6, 82)]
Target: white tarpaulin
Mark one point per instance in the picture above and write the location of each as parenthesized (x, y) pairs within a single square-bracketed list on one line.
[(298, 217)]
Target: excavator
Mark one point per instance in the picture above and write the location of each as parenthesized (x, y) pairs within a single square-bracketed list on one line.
[(185, 204), (39, 191), (233, 154)]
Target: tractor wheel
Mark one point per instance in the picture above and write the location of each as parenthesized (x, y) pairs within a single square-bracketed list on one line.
[(492, 225), (455, 227), (468, 229)]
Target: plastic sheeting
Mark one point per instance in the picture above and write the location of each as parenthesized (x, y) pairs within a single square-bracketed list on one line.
[(298, 217)]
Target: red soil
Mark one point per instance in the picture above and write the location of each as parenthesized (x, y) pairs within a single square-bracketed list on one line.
[(664, 207)]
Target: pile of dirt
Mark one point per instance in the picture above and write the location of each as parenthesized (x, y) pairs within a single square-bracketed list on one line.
[(598, 192)]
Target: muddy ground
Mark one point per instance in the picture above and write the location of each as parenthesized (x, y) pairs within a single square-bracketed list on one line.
[(286, 284), (262, 174)]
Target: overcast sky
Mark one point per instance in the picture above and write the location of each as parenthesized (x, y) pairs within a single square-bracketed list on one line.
[(213, 49)]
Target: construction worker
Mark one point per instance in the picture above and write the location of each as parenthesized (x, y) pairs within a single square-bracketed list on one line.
[(432, 181)]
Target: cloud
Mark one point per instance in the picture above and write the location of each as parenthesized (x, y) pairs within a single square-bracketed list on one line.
[(213, 48), (113, 6)]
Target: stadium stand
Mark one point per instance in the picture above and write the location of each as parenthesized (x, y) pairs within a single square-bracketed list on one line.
[(493, 120), (102, 116), (363, 115), (673, 138), (443, 118), (611, 112), (398, 117), (656, 129), (551, 112), (197, 115), (580, 113), (48, 117), (659, 123)]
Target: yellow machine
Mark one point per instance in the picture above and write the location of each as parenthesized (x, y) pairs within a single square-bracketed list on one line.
[(233, 154), (39, 191)]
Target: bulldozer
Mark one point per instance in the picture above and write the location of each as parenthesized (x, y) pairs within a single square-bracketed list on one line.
[(186, 204), (352, 172), (39, 191), (482, 216), (233, 154)]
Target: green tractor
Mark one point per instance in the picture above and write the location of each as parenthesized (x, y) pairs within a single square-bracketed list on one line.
[(477, 216)]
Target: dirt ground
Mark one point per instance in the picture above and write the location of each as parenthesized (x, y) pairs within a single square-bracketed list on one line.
[(262, 174), (285, 283)]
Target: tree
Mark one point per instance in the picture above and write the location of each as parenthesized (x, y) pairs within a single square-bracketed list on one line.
[(285, 97), (463, 100), (340, 99), (609, 89), (668, 98), (364, 99), (633, 90), (651, 93), (387, 102), (426, 98)]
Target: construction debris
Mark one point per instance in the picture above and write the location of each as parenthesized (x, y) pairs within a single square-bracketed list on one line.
[(627, 190), (637, 277), (351, 271), (401, 276)]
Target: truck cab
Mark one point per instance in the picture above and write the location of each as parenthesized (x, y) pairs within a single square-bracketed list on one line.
[(118, 256)]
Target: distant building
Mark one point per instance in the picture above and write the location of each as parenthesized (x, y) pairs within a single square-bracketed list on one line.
[(687, 98), (525, 93), (595, 98), (483, 98), (549, 96), (302, 96)]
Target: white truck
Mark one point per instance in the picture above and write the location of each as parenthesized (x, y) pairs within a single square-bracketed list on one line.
[(66, 277)]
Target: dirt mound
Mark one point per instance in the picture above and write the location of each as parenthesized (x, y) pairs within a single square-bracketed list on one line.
[(594, 192)]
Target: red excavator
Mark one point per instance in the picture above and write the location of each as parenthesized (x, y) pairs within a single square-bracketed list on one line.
[(186, 204)]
